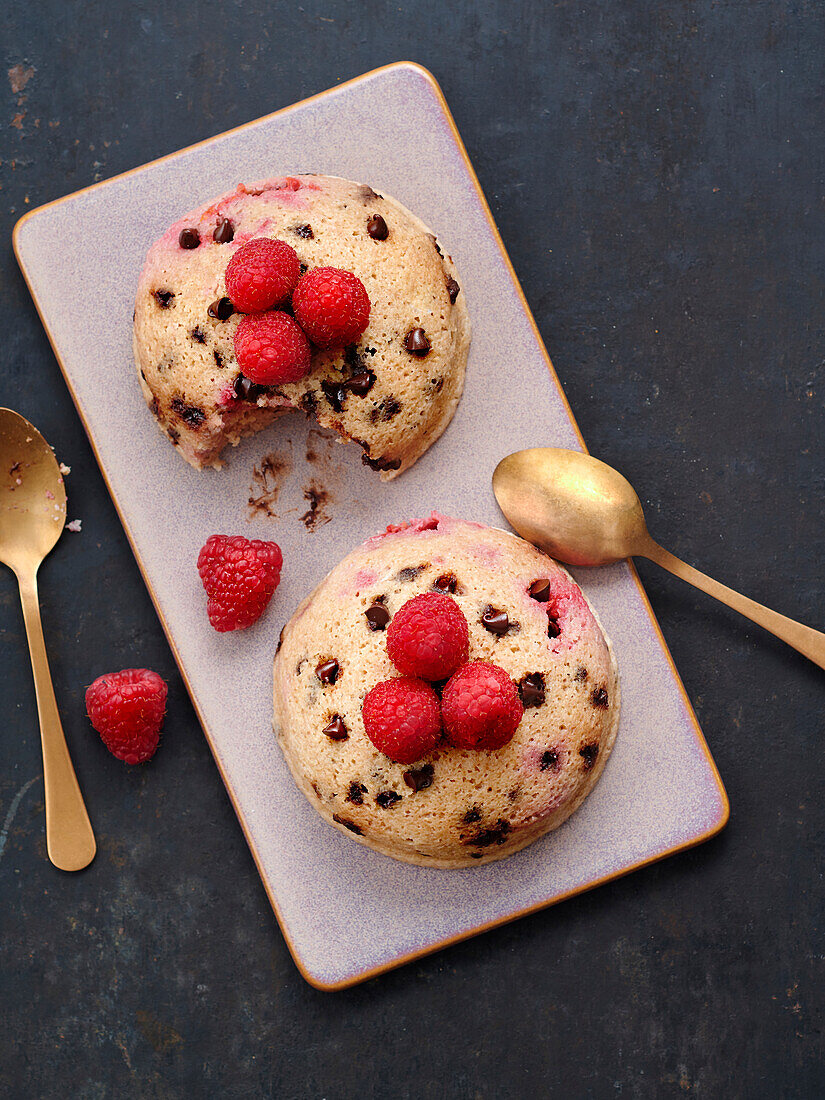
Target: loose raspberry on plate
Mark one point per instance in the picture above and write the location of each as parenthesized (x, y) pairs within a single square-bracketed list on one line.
[(428, 637), (402, 718), (261, 274), (239, 576), (271, 348), (331, 306), (480, 707), (126, 708)]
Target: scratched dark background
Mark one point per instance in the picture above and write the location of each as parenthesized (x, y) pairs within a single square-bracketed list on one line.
[(657, 171)]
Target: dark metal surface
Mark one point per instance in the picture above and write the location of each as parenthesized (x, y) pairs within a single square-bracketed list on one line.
[(657, 174)]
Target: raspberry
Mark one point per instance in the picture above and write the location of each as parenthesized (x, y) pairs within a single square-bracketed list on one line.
[(239, 576), (331, 306), (402, 718), (480, 707), (126, 708), (261, 274), (428, 637), (271, 348)]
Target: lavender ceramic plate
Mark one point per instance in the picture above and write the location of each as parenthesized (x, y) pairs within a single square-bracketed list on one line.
[(345, 911)]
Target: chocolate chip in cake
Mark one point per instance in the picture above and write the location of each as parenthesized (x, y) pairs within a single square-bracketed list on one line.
[(531, 688), (224, 231), (309, 403), (189, 238), (377, 228), (163, 298), (446, 583), (361, 383), (366, 193), (411, 572), (385, 799), (420, 778), (173, 434), (598, 698), (495, 620), (218, 358), (540, 589), (472, 815), (453, 289), (495, 835), (335, 393), (377, 617), (336, 729), (580, 674), (221, 309), (304, 231), (417, 343), (549, 759), (386, 411), (588, 753), (193, 415), (553, 628), (247, 390), (198, 335), (327, 671), (355, 793), (435, 243), (345, 821), (381, 463)]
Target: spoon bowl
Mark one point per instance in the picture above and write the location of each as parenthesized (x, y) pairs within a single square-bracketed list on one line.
[(32, 516), (583, 512)]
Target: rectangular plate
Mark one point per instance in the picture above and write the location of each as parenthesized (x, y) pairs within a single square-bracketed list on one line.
[(346, 912)]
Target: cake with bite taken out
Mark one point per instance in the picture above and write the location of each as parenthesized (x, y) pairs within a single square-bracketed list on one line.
[(446, 695), (302, 292)]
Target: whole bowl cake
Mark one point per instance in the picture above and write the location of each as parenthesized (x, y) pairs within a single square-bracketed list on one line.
[(446, 695), (365, 328)]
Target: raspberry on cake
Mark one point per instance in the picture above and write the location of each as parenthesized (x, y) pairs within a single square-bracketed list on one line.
[(524, 725), (378, 298), (270, 347)]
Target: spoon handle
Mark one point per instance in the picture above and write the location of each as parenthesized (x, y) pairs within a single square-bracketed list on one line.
[(70, 841), (807, 641)]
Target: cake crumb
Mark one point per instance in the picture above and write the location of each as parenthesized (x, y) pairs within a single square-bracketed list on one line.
[(75, 525), (64, 469)]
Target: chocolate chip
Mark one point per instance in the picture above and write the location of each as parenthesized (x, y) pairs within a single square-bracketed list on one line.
[(495, 620), (366, 193), (435, 243), (472, 815), (416, 342), (588, 753), (224, 231), (345, 821), (327, 671), (549, 759), (377, 228), (309, 403), (192, 414), (447, 583), (247, 390), (386, 411), (198, 336), (336, 730), (453, 289), (218, 358), (385, 799), (381, 463), (410, 572), (173, 434), (540, 589), (377, 617), (599, 698), (221, 309), (580, 674), (335, 393), (355, 793), (553, 628), (163, 297), (496, 835), (304, 231), (531, 689), (361, 383), (420, 778), (189, 238)]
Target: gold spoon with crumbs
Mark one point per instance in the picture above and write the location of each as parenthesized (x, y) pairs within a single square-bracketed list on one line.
[(32, 517), (583, 512)]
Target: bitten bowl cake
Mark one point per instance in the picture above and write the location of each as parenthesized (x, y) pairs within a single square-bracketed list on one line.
[(446, 695), (304, 292)]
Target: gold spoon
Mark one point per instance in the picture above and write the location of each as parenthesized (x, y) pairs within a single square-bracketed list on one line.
[(32, 516), (584, 512)]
